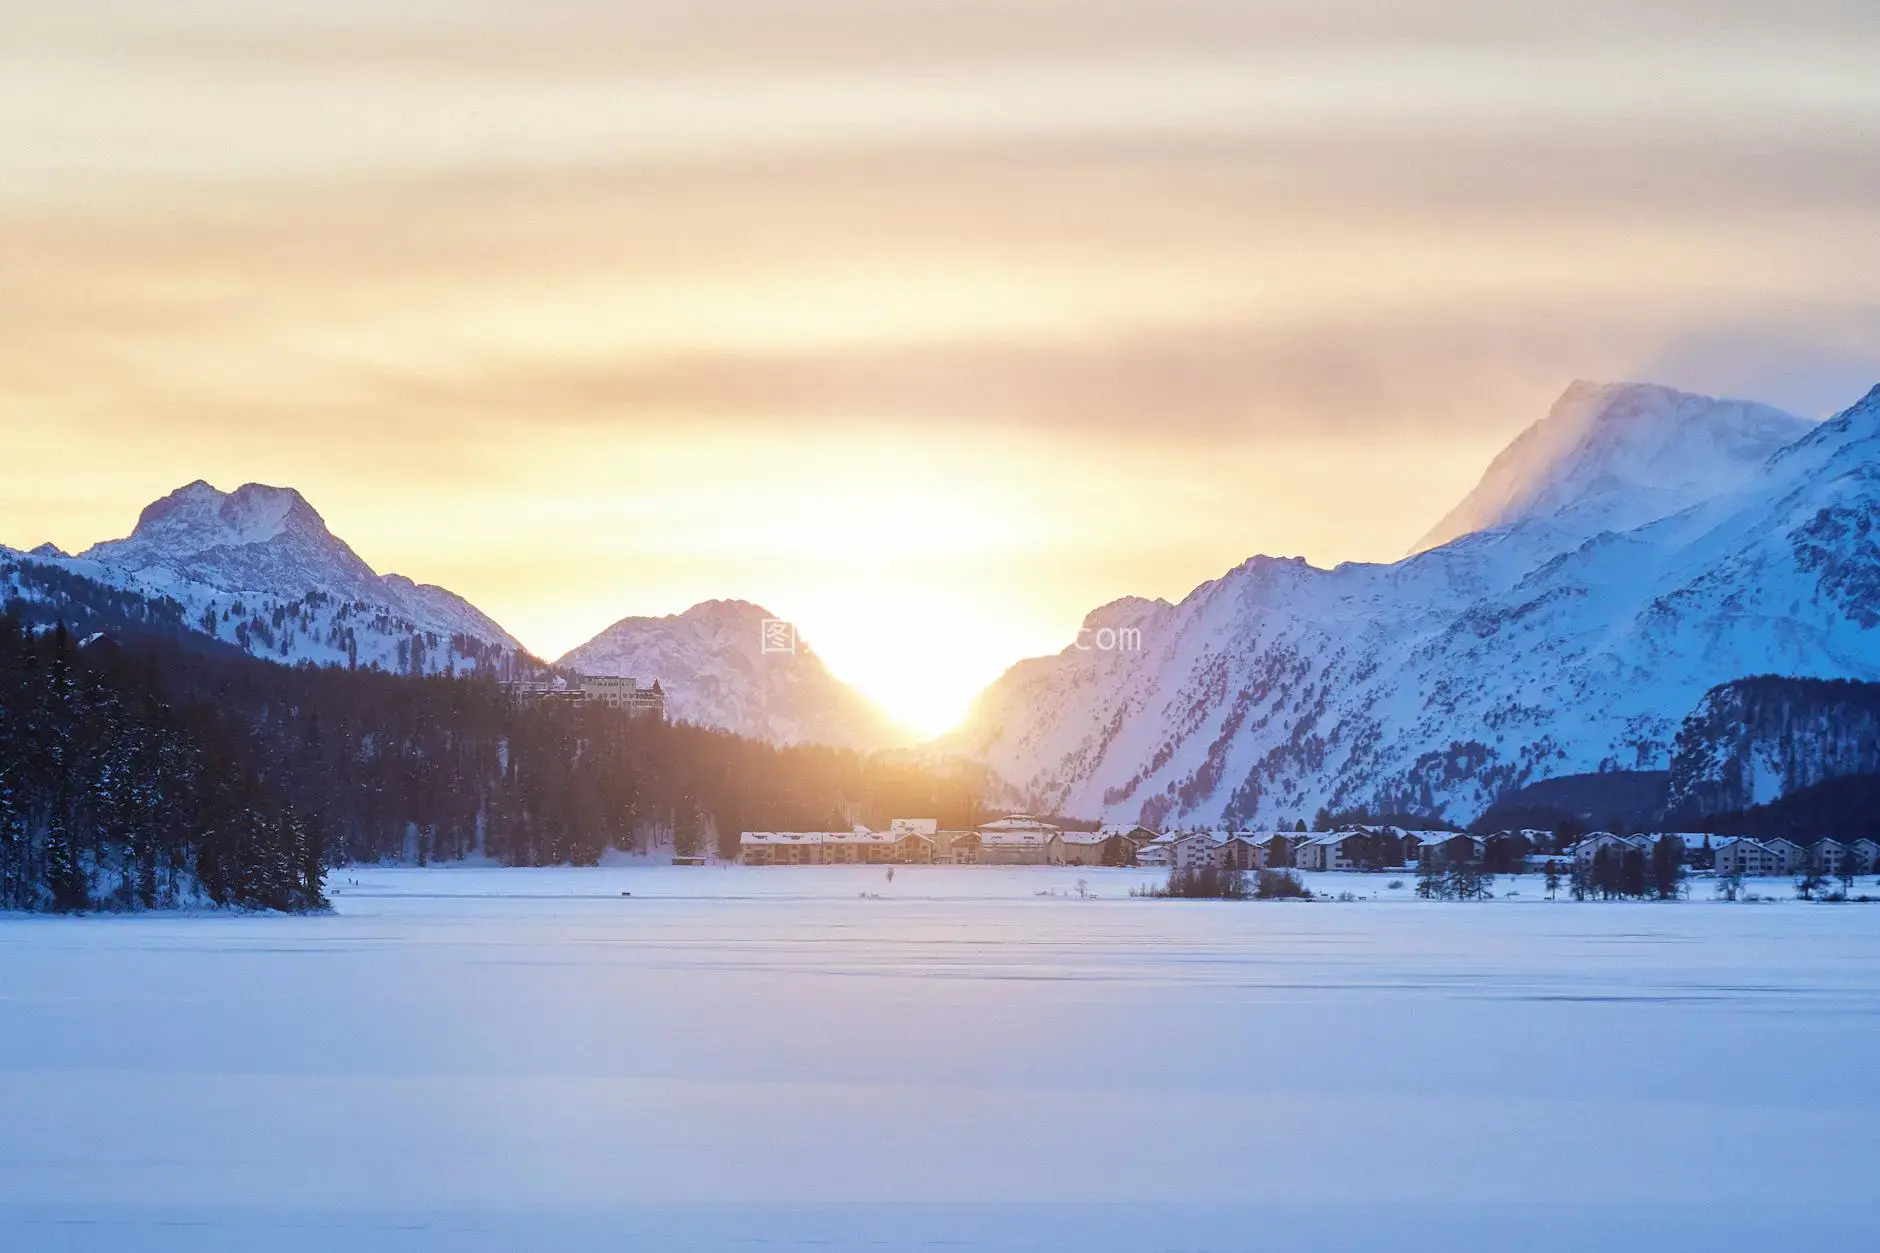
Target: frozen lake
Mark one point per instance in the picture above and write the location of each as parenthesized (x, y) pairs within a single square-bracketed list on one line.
[(485, 1059)]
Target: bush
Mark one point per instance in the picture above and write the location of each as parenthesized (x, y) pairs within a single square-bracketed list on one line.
[(1281, 885)]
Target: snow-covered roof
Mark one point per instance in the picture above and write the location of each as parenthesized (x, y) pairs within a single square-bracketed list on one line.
[(918, 826), (798, 838), (1017, 822), (1013, 838), (1730, 841), (1429, 838), (786, 837)]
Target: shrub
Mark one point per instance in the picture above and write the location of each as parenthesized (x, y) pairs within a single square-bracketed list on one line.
[(1281, 885)]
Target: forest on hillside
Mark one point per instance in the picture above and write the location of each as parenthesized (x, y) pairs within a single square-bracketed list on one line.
[(144, 773)]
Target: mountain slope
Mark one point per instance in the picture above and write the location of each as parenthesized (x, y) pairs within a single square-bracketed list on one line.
[(1614, 456), (715, 671), (258, 568), (1548, 645), (1754, 741)]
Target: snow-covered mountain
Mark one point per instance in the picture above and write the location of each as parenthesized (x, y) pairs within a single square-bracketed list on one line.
[(713, 663), (1607, 594), (258, 568), (1613, 456), (1753, 741)]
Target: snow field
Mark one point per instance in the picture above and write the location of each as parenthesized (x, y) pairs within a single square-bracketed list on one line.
[(748, 1057)]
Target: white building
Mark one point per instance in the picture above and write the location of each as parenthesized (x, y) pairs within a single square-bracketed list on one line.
[(622, 692), (1196, 850), (1327, 851), (1020, 840), (859, 846), (1790, 857), (1744, 857), (1021, 848)]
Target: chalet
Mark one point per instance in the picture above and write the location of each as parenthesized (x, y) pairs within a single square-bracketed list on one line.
[(1353, 848), (1324, 851), (1020, 840), (1613, 845), (1743, 857), (1789, 857), (1826, 856), (1441, 847), (1279, 849), (1507, 851), (1021, 848), (1243, 850), (1197, 850), (1159, 851), (1108, 847), (1866, 855), (956, 848)]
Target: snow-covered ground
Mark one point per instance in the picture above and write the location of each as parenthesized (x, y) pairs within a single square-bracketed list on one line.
[(731, 1058)]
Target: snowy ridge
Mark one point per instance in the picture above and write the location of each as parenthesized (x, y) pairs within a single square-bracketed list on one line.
[(1549, 644), (712, 664), (258, 568), (1614, 456)]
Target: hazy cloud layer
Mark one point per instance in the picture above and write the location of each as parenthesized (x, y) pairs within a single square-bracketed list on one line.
[(411, 251)]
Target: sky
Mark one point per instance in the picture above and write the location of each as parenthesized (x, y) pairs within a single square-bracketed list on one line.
[(928, 324)]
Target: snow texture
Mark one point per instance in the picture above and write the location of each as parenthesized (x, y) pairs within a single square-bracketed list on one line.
[(258, 568), (712, 663), (1553, 644), (471, 1060)]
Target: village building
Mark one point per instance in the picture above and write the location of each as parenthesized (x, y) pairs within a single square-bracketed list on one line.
[(1321, 852), (1021, 848), (1108, 847), (780, 848), (1354, 848), (1826, 856), (1195, 850), (1160, 851), (877, 848), (956, 848), (1445, 847), (1789, 857), (1243, 850), (1590, 847), (859, 846), (622, 692), (1866, 854), (1743, 857), (1020, 840)]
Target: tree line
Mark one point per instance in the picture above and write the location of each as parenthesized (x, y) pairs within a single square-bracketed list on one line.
[(147, 773)]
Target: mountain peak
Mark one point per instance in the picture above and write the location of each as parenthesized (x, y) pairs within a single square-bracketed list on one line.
[(726, 611), (720, 669), (1613, 456), (253, 513), (257, 538)]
